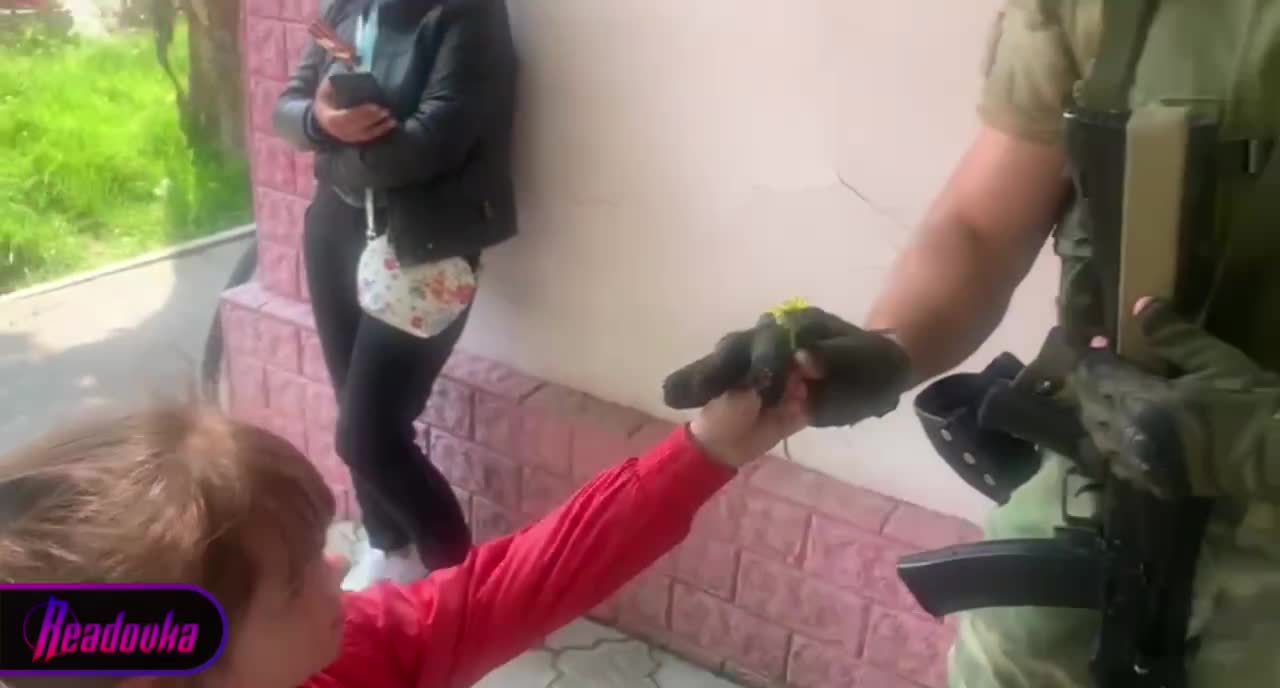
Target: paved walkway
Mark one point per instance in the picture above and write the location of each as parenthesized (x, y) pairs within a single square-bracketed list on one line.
[(588, 655), (125, 338), (583, 654), (122, 338)]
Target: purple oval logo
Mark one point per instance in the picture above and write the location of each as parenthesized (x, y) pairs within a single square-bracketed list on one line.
[(109, 629)]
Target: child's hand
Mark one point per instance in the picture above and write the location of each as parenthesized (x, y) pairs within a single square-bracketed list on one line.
[(735, 428), (865, 372)]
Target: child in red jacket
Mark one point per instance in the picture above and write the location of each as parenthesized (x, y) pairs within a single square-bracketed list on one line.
[(181, 494)]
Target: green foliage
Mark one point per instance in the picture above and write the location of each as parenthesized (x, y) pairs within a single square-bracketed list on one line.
[(96, 167)]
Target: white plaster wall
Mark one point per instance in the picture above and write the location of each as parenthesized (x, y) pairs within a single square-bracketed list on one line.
[(685, 165)]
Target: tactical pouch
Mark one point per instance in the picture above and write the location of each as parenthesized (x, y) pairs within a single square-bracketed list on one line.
[(1118, 177)]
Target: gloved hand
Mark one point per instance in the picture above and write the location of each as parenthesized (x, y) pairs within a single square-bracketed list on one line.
[(1208, 431), (862, 373)]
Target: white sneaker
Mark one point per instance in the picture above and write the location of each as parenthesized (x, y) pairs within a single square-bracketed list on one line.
[(366, 569), (404, 566), (371, 565)]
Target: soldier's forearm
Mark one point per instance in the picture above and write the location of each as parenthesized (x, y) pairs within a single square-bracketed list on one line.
[(951, 287), (945, 295)]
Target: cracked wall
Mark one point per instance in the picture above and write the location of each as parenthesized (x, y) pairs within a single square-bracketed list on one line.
[(683, 166)]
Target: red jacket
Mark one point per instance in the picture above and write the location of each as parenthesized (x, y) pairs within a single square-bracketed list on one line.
[(455, 626)]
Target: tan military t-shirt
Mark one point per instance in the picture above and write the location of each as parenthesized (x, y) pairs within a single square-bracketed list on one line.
[(1033, 61)]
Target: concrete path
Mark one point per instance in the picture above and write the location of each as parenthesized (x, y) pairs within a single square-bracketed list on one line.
[(587, 655), (93, 17), (119, 339), (583, 654)]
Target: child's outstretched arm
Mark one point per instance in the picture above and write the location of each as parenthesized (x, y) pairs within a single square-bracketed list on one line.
[(458, 624), (523, 587), (452, 628)]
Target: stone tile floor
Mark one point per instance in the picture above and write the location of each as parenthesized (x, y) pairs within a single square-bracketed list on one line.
[(583, 654)]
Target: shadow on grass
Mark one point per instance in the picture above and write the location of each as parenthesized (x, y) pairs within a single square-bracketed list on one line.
[(108, 344)]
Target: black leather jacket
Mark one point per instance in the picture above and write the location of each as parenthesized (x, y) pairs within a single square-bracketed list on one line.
[(444, 175)]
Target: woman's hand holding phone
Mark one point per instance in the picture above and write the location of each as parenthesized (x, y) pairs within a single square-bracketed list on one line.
[(359, 124)]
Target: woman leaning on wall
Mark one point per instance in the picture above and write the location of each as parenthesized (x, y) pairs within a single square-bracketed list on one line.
[(408, 105)]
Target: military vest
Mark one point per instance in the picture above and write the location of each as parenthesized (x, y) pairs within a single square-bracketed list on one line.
[(1222, 58)]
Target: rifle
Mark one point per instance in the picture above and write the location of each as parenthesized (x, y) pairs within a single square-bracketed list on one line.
[(1145, 180)]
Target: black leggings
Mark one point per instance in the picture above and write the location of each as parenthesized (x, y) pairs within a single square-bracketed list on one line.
[(382, 378)]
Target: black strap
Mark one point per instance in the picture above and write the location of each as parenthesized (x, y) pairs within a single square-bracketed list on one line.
[(992, 462), (1247, 157), (1125, 25)]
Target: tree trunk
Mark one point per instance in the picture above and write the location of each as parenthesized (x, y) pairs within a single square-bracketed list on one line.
[(215, 121)]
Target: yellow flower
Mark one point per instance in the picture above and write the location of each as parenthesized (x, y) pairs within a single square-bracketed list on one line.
[(791, 305), (781, 314)]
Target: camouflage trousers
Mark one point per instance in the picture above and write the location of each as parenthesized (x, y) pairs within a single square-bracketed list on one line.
[(1236, 611)]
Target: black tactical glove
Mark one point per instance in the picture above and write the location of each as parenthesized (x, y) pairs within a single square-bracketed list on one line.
[(1209, 431), (864, 373)]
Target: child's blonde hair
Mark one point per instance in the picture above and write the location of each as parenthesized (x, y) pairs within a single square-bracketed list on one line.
[(179, 493)]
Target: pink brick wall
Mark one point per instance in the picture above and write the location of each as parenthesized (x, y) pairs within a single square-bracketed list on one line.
[(788, 576), (275, 32)]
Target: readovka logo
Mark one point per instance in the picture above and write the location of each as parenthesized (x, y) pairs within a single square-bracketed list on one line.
[(109, 629)]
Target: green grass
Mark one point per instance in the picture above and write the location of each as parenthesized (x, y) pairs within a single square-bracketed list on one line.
[(94, 167)]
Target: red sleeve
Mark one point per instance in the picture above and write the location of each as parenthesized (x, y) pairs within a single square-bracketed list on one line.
[(458, 624)]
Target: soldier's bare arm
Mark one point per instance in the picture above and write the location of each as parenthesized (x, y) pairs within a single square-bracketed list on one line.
[(951, 286)]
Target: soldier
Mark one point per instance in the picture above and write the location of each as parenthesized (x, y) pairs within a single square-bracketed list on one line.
[(1216, 429), (1136, 460)]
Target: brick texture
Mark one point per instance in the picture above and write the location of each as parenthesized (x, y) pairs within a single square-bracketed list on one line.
[(304, 175), (247, 380), (858, 561), (908, 646), (542, 491), (299, 11), (712, 623), (451, 408), (313, 358), (708, 564), (267, 52), (490, 521), (279, 268), (262, 99), (851, 504), (272, 163), (477, 470), (787, 576), (279, 216), (928, 529), (491, 376), (777, 592), (645, 604)]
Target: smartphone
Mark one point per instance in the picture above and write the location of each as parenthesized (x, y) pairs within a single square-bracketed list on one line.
[(352, 89)]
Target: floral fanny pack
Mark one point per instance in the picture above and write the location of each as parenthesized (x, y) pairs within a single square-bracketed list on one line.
[(421, 300), (424, 299)]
